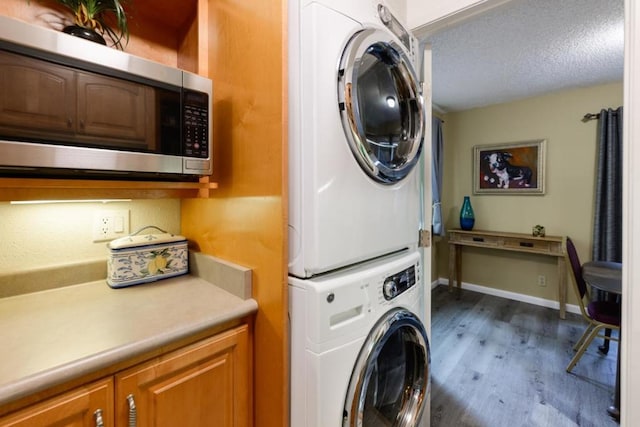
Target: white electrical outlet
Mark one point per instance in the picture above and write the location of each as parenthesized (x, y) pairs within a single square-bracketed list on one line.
[(542, 280), (110, 224)]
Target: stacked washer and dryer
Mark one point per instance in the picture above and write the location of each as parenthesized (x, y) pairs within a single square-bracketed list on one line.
[(359, 347)]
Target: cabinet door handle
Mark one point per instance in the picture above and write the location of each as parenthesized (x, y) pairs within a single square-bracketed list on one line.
[(133, 414), (98, 417), (69, 122), (526, 244)]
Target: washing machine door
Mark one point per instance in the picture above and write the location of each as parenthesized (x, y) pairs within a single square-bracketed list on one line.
[(390, 381), (381, 105)]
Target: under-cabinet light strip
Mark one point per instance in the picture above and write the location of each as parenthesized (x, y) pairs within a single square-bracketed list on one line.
[(39, 202)]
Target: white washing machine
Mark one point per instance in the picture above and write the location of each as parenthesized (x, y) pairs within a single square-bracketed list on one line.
[(356, 131), (359, 349)]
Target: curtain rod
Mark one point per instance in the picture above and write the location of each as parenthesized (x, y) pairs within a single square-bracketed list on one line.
[(593, 116), (590, 116)]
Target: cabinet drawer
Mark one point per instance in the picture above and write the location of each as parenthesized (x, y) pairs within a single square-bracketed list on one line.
[(76, 408), (528, 244), (475, 239)]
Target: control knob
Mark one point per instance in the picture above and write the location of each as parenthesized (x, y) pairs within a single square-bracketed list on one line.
[(390, 289)]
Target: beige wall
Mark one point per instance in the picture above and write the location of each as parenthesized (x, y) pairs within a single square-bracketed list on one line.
[(45, 235), (565, 209)]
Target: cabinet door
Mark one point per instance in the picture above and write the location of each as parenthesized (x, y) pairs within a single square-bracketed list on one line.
[(36, 96), (205, 384), (76, 408), (114, 108)]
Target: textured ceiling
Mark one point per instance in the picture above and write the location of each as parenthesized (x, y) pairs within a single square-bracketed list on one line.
[(526, 48)]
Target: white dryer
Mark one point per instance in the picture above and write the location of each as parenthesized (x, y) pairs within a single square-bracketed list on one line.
[(359, 349), (356, 131)]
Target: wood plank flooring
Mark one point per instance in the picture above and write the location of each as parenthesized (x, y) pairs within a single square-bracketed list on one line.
[(497, 362)]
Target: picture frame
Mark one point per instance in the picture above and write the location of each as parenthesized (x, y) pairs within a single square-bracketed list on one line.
[(512, 168)]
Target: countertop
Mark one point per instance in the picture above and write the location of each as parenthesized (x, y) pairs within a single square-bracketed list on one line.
[(53, 336)]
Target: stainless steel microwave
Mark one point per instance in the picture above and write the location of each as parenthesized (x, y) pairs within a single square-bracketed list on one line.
[(73, 107)]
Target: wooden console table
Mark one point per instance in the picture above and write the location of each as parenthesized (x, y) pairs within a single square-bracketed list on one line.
[(516, 242)]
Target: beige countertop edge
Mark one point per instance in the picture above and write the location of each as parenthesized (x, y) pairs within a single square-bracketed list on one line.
[(63, 373)]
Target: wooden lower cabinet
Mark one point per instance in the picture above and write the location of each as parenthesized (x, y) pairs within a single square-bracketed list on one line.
[(76, 408), (204, 384)]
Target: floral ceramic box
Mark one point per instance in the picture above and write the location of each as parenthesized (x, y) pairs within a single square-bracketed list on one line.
[(141, 258)]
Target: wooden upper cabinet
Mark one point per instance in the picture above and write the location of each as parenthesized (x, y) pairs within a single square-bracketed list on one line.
[(206, 384), (73, 409), (47, 101), (115, 108), (36, 94)]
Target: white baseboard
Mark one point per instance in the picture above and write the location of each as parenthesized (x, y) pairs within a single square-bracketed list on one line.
[(571, 308)]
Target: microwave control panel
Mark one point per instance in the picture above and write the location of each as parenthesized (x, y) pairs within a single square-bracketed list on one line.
[(196, 124)]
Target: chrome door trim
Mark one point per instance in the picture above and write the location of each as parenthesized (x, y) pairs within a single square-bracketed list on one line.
[(389, 324), (351, 64)]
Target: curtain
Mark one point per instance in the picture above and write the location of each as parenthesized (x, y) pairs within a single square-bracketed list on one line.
[(436, 176), (607, 230)]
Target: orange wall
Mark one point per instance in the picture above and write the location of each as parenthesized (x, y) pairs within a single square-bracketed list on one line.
[(245, 220)]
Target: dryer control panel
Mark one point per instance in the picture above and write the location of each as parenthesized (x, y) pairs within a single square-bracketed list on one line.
[(392, 23), (398, 283)]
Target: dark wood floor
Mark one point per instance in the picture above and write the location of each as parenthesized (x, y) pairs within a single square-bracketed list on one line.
[(497, 362)]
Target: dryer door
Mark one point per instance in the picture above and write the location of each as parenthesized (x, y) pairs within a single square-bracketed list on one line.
[(381, 105), (390, 381)]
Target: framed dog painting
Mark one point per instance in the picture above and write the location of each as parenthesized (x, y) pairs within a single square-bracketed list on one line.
[(516, 168)]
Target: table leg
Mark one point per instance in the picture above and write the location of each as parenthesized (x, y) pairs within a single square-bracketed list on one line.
[(459, 270), (614, 410), (452, 267), (562, 286), (455, 269)]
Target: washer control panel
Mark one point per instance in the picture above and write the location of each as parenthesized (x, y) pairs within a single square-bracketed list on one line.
[(398, 283)]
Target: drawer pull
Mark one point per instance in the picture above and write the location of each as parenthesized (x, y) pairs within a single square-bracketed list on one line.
[(526, 244), (98, 417), (478, 239), (133, 414)]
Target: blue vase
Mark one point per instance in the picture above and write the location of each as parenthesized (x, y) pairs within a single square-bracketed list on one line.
[(467, 218)]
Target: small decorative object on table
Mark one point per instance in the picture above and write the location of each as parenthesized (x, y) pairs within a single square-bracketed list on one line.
[(141, 258), (467, 218), (538, 231)]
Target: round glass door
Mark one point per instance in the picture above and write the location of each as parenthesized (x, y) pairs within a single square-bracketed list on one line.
[(390, 381), (381, 105)]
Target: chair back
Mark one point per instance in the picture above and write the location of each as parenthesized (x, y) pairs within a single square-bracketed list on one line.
[(576, 268)]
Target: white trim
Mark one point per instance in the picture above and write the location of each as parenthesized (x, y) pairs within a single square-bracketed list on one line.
[(425, 161), (571, 308), (426, 202), (630, 331), (432, 16)]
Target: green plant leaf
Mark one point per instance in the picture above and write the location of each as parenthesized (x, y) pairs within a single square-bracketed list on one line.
[(103, 16)]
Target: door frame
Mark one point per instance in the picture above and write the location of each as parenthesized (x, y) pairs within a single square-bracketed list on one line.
[(630, 334), (427, 206)]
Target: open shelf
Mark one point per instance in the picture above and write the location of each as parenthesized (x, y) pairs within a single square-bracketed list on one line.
[(17, 189)]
